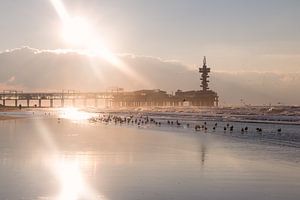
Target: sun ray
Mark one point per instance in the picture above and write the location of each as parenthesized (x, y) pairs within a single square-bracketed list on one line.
[(60, 9)]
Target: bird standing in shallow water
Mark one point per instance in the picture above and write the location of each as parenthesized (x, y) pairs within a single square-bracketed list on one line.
[(279, 130), (197, 128)]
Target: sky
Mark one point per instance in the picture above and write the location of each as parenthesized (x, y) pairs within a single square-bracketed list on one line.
[(258, 39)]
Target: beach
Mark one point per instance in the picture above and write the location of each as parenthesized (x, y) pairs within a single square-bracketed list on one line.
[(62, 157), (149, 100)]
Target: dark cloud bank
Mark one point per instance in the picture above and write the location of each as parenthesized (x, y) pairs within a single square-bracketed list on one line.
[(33, 70)]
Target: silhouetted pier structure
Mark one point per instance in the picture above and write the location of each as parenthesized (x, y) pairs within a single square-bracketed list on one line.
[(121, 98), (17, 96), (203, 97), (142, 98), (157, 98)]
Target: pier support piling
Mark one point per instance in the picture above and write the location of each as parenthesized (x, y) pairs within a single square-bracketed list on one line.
[(51, 103), (62, 103)]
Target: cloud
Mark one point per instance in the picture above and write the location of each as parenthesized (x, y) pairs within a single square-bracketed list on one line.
[(31, 69), (11, 79), (257, 87)]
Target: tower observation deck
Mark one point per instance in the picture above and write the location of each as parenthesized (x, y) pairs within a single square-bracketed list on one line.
[(204, 96)]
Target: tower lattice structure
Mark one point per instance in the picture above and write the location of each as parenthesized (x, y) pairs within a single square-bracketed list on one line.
[(204, 71)]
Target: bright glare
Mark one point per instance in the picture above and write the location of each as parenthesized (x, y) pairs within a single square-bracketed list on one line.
[(75, 114), (68, 171), (77, 31), (72, 184)]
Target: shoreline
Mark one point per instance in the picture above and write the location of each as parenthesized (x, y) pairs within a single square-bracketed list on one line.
[(161, 120), (280, 115)]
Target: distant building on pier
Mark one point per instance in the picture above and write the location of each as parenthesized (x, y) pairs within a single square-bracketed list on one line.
[(203, 97)]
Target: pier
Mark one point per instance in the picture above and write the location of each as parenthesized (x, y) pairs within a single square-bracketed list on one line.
[(141, 98), (17, 96)]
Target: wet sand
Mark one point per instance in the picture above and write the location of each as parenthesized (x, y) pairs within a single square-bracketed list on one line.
[(4, 113), (126, 163), (7, 117)]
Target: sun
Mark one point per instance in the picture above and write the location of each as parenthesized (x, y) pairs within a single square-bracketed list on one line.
[(81, 36), (77, 31)]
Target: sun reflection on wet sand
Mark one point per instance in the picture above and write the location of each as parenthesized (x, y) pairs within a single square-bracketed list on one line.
[(72, 183), (75, 114), (67, 170), (73, 186)]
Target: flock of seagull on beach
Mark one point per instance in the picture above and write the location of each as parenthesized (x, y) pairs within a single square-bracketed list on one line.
[(146, 120)]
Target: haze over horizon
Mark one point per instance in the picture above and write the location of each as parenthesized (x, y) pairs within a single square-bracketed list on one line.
[(253, 47)]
